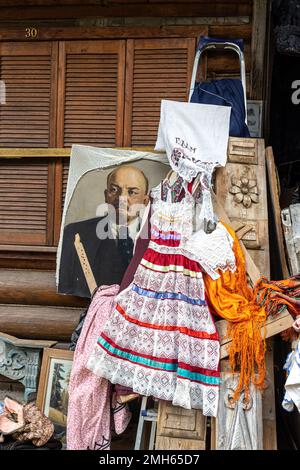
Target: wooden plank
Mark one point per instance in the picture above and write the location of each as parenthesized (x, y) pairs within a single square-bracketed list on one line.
[(22, 3), (34, 152), (274, 193), (27, 260), (175, 421), (10, 49), (259, 21), (68, 32), (32, 249), (268, 397), (237, 31), (172, 443), (179, 429), (6, 3), (144, 10), (26, 343), (238, 425), (245, 174), (61, 152)]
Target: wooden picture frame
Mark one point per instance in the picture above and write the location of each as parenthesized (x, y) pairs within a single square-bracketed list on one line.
[(52, 396)]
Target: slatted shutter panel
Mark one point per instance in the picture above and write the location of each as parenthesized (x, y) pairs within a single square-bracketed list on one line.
[(91, 93), (65, 174), (26, 71), (27, 120), (23, 203), (156, 69), (90, 101)]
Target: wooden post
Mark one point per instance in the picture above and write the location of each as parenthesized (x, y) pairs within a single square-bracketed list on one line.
[(269, 414), (259, 22)]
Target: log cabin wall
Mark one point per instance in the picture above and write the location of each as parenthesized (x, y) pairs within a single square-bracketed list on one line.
[(92, 74)]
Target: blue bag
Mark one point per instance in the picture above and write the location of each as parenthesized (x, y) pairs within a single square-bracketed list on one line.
[(223, 92)]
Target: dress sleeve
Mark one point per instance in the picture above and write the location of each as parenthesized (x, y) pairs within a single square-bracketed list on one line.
[(213, 251)]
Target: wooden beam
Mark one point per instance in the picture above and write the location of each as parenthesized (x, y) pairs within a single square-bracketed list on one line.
[(274, 193), (66, 152), (39, 322), (34, 287), (259, 22), (268, 402), (55, 152), (125, 10), (52, 32), (34, 152), (108, 3), (26, 343)]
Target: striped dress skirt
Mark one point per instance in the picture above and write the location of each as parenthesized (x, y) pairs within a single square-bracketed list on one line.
[(160, 339)]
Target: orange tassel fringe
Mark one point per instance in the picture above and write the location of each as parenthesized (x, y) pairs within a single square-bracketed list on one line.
[(231, 298)]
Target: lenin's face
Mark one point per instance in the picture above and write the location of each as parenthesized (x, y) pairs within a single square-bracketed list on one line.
[(127, 192)]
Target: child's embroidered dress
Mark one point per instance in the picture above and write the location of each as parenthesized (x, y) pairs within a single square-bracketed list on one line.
[(161, 339)]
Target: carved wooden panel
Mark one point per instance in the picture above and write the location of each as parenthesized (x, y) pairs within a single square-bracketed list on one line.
[(241, 186), (239, 424), (242, 151), (179, 428)]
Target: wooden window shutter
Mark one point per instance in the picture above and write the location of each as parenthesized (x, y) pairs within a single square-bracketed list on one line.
[(27, 120), (27, 70), (23, 202), (90, 103), (156, 69), (91, 93)]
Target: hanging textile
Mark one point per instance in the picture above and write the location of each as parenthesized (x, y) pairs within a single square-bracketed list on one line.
[(195, 138), (90, 407), (231, 298), (277, 295), (225, 92), (161, 339)]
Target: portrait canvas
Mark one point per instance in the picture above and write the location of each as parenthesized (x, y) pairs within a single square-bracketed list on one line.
[(107, 193)]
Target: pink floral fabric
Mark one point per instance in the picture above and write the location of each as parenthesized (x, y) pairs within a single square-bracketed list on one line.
[(90, 405)]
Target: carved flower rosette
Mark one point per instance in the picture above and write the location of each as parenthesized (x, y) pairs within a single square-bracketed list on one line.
[(245, 191)]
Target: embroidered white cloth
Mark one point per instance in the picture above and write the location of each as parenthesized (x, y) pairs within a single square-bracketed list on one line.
[(194, 136)]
